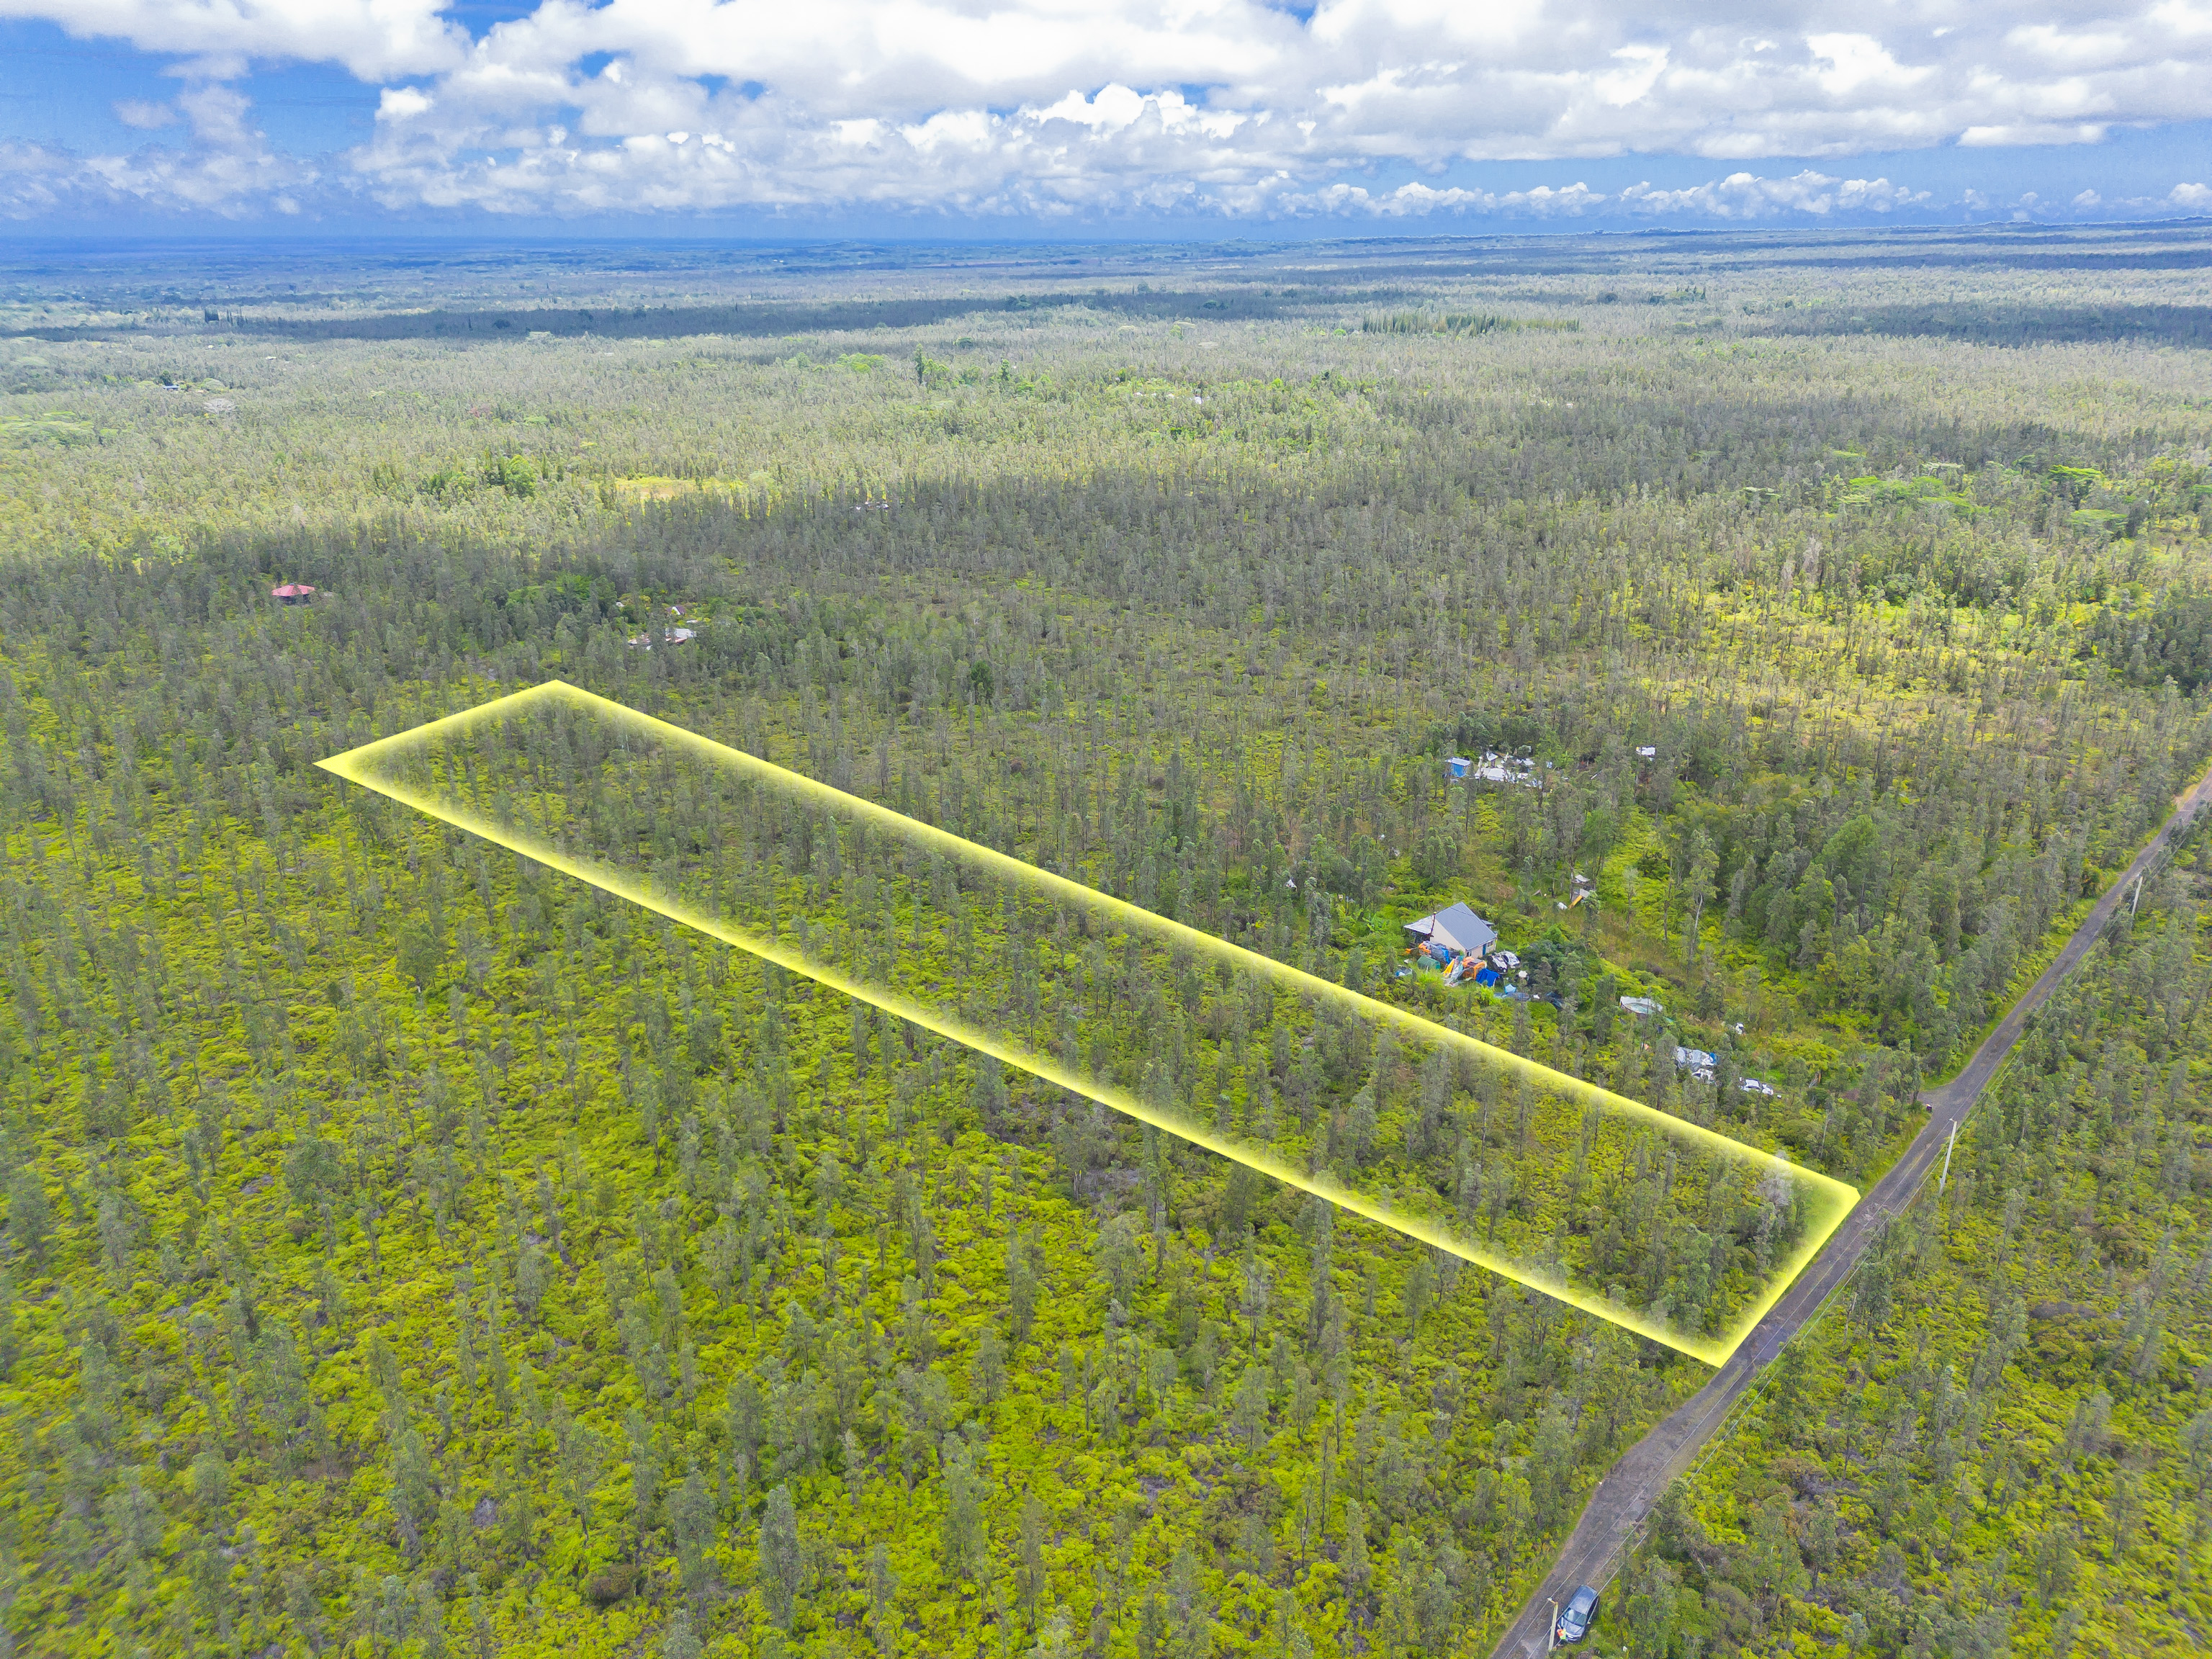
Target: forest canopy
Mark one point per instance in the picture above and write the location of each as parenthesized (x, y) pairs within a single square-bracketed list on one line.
[(411, 1251)]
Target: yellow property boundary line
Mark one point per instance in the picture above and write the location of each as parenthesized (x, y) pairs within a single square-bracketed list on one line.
[(359, 766)]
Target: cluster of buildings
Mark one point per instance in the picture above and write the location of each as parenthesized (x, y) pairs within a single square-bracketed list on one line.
[(1699, 1063), (672, 635), (1702, 1066), (1495, 767), (1465, 945)]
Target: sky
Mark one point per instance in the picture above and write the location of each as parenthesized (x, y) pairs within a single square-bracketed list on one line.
[(991, 117)]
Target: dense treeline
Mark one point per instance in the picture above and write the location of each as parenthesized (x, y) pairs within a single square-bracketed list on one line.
[(121, 438), (2014, 324)]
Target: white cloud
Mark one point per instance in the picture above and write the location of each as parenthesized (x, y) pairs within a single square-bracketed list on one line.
[(1229, 107), (1746, 195), (1639, 71), (1856, 62), (1419, 201), (372, 39), (2034, 132), (2195, 197), (1115, 108), (225, 168), (147, 116)]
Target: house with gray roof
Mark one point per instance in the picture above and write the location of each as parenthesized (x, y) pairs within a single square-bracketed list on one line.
[(1458, 929)]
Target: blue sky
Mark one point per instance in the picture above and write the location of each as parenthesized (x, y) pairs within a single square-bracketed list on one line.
[(1044, 117)]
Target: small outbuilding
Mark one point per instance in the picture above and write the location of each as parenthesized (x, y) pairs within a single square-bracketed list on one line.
[(1457, 929), (292, 593), (1457, 766), (1699, 1063)]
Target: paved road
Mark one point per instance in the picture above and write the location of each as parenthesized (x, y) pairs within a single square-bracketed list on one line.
[(1632, 1485)]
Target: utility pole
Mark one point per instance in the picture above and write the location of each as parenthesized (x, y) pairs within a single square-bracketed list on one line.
[(1947, 1146), (1551, 1629)]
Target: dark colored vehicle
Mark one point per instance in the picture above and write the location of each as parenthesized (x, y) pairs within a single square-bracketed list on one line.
[(1577, 1616)]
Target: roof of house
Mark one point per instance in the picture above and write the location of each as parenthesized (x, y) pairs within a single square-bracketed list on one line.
[(1457, 927), (290, 590)]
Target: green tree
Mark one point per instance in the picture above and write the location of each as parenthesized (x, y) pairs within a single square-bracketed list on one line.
[(883, 1601), (691, 1517), (1190, 1613), (1785, 1394), (781, 1562), (582, 1462), (679, 1642), (1436, 859), (990, 1366), (1353, 1568), (429, 1620), (1698, 887), (414, 1491), (962, 1533), (1249, 1408), (421, 954), (1055, 1641), (1120, 1255), (1652, 1587), (30, 1218), (1031, 1569)]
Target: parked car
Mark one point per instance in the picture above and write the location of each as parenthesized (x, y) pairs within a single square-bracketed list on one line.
[(1577, 1616)]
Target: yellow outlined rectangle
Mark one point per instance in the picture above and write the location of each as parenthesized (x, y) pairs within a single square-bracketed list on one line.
[(1824, 1201)]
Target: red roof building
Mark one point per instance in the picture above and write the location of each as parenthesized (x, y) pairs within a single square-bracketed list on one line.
[(292, 593)]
